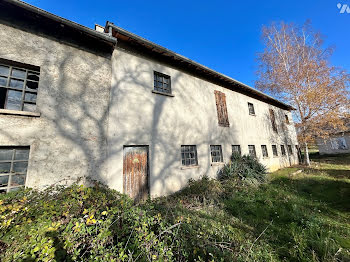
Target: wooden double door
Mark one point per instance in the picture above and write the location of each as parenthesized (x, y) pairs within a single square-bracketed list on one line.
[(136, 172)]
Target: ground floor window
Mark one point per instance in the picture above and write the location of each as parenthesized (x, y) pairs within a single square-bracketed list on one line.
[(252, 151), (283, 150), (290, 150), (236, 149), (274, 150), (189, 155), (264, 151), (13, 168), (216, 154)]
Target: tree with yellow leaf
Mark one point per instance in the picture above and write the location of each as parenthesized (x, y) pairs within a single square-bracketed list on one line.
[(295, 68)]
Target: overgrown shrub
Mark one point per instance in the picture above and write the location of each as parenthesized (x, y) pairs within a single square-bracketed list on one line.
[(80, 224), (246, 168)]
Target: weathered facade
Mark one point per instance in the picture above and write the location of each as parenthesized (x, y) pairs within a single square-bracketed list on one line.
[(114, 107), (335, 144)]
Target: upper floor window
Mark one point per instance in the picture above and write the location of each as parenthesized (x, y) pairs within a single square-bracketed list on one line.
[(274, 150), (216, 154), (13, 167), (273, 120), (162, 83), (18, 86), (252, 151), (251, 109), (287, 119), (283, 150), (220, 99), (189, 155), (236, 149), (264, 151)]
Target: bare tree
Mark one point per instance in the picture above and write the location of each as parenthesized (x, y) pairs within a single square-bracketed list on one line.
[(295, 67)]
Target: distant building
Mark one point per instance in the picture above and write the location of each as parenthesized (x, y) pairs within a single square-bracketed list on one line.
[(337, 143), (112, 106)]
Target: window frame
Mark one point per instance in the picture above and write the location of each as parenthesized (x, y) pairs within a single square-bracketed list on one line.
[(273, 120), (254, 149), (221, 109), (251, 106), (158, 90), (239, 149), (286, 117), (265, 152), (274, 150), (184, 158), (28, 70), (9, 187), (216, 149), (290, 150), (283, 150)]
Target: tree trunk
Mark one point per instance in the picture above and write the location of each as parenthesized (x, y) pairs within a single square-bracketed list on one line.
[(306, 155)]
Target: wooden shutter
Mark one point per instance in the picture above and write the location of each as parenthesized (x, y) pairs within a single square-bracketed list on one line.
[(221, 108), (273, 120)]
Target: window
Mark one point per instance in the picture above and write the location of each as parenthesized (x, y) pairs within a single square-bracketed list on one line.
[(283, 150), (273, 120), (251, 109), (189, 155), (236, 149), (220, 99), (290, 150), (216, 154), (287, 119), (18, 86), (162, 83), (252, 151), (13, 167), (274, 150), (264, 151)]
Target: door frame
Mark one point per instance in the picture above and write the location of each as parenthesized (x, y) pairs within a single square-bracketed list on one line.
[(148, 171)]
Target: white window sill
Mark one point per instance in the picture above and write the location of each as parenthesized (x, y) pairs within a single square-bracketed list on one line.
[(161, 93), (252, 114), (217, 164), (18, 113), (189, 167)]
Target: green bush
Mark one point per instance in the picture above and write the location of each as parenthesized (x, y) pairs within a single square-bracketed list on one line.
[(77, 223), (245, 168)]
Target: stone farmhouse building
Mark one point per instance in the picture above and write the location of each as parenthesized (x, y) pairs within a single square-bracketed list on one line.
[(112, 106)]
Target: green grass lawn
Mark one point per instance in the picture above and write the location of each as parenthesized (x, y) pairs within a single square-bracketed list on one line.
[(302, 217)]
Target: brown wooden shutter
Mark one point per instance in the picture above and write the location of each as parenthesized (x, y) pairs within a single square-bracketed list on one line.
[(221, 108), (273, 120)]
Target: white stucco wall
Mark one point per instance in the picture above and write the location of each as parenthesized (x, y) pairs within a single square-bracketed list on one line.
[(69, 139), (139, 117)]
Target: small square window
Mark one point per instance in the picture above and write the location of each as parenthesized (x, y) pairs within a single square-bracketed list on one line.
[(264, 151), (162, 83), (236, 149), (274, 150), (216, 154), (252, 151), (18, 86), (283, 150), (290, 149), (189, 155), (13, 167), (251, 109), (287, 119)]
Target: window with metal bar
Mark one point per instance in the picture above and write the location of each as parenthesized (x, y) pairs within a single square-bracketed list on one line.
[(251, 109), (290, 149), (18, 87), (236, 149), (283, 150), (216, 154), (13, 167), (252, 151), (274, 150), (189, 155), (162, 83), (264, 151)]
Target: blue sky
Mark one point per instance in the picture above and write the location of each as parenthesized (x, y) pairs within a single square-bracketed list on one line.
[(223, 35)]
